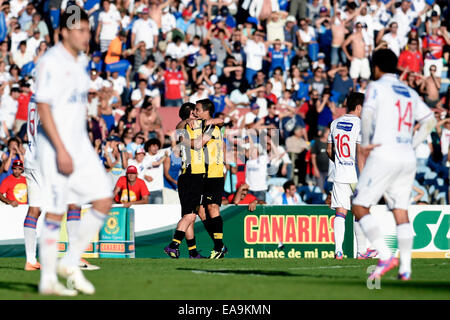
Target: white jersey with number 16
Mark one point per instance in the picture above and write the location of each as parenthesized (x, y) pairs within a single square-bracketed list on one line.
[(345, 133)]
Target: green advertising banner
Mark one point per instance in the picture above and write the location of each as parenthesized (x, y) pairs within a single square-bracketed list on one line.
[(305, 231), (116, 238)]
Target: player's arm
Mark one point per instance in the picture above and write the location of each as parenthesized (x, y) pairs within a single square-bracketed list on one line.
[(360, 159), (215, 122), (330, 151), (427, 123), (63, 158)]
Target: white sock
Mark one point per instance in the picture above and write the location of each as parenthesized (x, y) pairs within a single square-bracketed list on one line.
[(30, 244), (48, 250), (373, 233), (72, 225), (339, 231), (360, 238), (89, 225), (405, 237), (29, 233)]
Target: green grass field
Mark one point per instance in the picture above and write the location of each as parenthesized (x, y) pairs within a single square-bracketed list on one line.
[(236, 279)]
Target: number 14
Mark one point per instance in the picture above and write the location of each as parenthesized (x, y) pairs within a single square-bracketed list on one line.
[(406, 114)]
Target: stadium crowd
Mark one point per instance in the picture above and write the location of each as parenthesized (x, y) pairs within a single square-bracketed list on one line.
[(278, 72)]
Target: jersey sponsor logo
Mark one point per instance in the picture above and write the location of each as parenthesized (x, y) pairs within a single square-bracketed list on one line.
[(403, 91), (346, 126)]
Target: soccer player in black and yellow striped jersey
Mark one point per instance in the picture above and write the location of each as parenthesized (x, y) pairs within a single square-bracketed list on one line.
[(214, 176), (190, 182)]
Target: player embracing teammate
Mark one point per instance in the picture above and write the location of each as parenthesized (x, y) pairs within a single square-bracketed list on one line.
[(200, 185)]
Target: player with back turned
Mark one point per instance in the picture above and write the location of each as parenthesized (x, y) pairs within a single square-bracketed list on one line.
[(343, 149), (387, 122)]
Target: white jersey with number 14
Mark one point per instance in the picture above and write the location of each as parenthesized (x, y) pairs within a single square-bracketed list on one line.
[(395, 107)]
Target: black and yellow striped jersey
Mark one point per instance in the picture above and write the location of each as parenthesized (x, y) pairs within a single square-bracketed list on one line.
[(193, 161), (214, 153)]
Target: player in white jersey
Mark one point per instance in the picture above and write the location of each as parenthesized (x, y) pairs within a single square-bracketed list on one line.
[(68, 162), (390, 110), (343, 150), (34, 186)]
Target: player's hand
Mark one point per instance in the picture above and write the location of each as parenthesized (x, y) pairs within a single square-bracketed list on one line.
[(127, 205), (365, 151), (64, 162)]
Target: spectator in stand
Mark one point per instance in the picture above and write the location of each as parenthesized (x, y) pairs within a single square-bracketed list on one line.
[(430, 87), (256, 50), (433, 48), (243, 196), (22, 106), (174, 79), (13, 189), (297, 146), (319, 159), (197, 28), (342, 84), (319, 81), (142, 92), (290, 195), (394, 41), (108, 25), (145, 29), (359, 62), (15, 152), (150, 121), (116, 158), (154, 170), (37, 24), (172, 169), (411, 59), (256, 173), (22, 56), (115, 48), (138, 142), (130, 190)]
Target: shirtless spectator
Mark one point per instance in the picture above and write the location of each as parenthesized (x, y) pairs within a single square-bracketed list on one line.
[(338, 31), (150, 122), (359, 66), (430, 88)]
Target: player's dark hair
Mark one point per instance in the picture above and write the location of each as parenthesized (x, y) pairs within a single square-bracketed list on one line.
[(152, 142), (385, 60), (287, 185), (67, 17), (185, 110), (207, 105), (354, 99)]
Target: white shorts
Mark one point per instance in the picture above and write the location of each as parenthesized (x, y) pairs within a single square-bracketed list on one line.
[(34, 187), (391, 178), (341, 195), (87, 183), (360, 68)]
